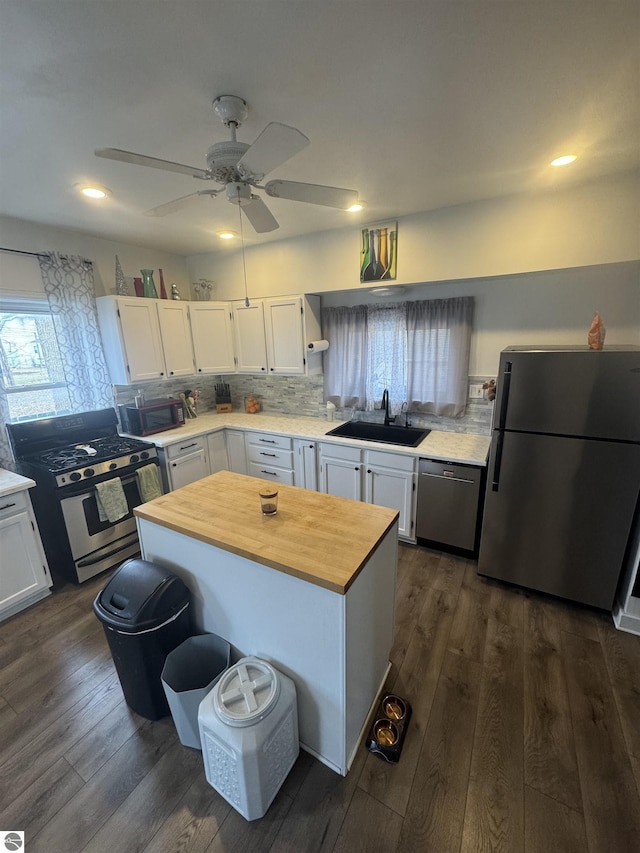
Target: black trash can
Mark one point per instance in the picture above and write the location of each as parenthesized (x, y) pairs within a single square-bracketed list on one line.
[(144, 610)]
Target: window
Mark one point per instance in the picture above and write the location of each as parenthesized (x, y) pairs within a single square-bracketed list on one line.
[(419, 351), (33, 377)]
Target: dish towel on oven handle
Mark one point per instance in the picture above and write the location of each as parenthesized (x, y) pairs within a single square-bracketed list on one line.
[(111, 500), (149, 482)]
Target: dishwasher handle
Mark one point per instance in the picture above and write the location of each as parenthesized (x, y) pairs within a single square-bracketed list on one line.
[(449, 479)]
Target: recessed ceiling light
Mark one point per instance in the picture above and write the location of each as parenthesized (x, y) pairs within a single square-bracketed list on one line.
[(355, 207), (93, 191), (226, 235), (564, 160)]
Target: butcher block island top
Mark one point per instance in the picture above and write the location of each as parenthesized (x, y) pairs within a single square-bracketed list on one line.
[(315, 537)]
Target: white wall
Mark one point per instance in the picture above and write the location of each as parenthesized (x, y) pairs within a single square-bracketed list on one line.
[(596, 223), (554, 307), (31, 237)]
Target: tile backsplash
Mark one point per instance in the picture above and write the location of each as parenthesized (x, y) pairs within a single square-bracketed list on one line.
[(300, 395)]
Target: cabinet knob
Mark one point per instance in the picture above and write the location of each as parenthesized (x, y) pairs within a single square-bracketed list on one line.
[(369, 471), (357, 468), (171, 373), (262, 368), (199, 370), (272, 369)]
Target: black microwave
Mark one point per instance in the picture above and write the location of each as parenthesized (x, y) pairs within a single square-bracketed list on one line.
[(154, 416)]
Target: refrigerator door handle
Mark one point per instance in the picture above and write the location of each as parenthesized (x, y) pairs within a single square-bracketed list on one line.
[(495, 479), (504, 397)]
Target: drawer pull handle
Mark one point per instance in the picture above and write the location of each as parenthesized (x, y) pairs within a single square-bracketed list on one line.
[(187, 446), (262, 453), (272, 473), (6, 506), (267, 440)]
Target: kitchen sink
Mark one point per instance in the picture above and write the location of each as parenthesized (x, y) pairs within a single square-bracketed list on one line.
[(406, 436)]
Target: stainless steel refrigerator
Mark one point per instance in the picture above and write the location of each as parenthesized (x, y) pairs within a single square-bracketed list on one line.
[(563, 478)]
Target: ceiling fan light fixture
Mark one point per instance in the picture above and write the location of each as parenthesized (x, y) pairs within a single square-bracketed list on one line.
[(355, 208), (226, 235), (564, 160)]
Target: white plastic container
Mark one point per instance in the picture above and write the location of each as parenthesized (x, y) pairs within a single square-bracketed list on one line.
[(249, 735)]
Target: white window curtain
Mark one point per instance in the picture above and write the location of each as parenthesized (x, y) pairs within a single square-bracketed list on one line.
[(68, 283), (438, 347), (387, 355), (419, 351), (345, 362)]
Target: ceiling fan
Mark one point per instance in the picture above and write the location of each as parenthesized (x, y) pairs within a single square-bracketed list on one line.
[(240, 168)]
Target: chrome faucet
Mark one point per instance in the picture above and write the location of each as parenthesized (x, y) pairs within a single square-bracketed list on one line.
[(385, 405)]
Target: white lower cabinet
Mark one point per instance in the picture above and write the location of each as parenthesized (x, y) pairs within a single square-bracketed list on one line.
[(390, 481), (236, 453), (24, 574), (305, 464), (385, 479), (184, 462), (270, 457), (217, 449), (341, 471)]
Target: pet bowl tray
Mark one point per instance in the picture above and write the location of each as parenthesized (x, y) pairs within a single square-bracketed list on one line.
[(389, 727)]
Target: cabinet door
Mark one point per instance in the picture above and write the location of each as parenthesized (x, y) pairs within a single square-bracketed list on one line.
[(251, 350), (212, 337), (217, 447), (187, 469), (236, 451), (305, 463), (141, 338), (341, 477), (283, 329), (23, 571), (394, 489), (175, 334)]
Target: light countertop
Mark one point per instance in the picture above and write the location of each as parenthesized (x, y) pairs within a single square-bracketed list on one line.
[(318, 538), (441, 445), (10, 482)]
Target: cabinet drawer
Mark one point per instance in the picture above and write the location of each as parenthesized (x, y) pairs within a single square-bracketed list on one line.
[(265, 439), (341, 451), (397, 461), (187, 445), (264, 454), (271, 472), (12, 503)]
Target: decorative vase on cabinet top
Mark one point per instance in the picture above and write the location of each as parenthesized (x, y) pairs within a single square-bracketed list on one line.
[(149, 284)]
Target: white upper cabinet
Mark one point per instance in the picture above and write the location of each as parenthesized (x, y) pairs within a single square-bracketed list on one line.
[(272, 334), (283, 331), (145, 338), (131, 338), (251, 348), (175, 335), (212, 337)]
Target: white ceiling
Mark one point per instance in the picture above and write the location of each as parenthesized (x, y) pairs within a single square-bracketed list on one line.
[(418, 105)]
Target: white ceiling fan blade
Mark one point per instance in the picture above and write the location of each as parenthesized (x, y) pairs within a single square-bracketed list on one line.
[(178, 203), (312, 193), (259, 215), (153, 162), (276, 144)]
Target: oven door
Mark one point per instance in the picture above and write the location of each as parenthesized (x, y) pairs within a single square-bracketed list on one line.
[(97, 545)]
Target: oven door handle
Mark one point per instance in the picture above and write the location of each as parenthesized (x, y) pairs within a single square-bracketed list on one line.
[(84, 563)]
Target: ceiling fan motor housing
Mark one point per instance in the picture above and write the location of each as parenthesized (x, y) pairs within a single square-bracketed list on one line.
[(222, 160)]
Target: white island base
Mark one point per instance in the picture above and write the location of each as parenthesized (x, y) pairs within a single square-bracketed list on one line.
[(334, 646)]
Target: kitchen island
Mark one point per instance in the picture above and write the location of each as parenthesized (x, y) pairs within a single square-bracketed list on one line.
[(311, 590)]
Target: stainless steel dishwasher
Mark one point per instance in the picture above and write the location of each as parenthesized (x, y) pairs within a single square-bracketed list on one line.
[(448, 503)]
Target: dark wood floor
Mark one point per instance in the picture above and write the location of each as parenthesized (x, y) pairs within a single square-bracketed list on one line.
[(525, 736)]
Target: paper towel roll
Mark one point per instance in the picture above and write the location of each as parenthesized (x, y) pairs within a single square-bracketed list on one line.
[(318, 346)]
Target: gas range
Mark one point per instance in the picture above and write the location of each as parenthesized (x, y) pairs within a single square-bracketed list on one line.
[(74, 459), (92, 458)]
